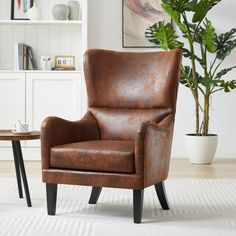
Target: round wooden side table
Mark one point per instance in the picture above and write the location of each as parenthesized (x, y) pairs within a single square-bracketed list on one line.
[(8, 135)]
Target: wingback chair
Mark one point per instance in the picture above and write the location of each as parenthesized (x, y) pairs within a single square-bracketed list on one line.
[(124, 139)]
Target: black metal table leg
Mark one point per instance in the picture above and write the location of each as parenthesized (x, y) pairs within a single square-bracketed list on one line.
[(17, 170), (22, 169)]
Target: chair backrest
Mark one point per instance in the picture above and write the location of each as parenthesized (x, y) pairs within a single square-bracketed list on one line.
[(126, 88)]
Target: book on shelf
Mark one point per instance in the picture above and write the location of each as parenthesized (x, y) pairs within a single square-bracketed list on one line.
[(32, 58), (19, 47), (24, 54), (25, 58)]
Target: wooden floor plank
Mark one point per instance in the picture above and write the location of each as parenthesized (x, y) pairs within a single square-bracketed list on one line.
[(179, 168)]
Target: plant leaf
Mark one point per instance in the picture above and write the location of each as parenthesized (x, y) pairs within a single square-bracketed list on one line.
[(164, 35), (175, 16), (227, 85), (188, 54), (186, 76), (208, 36), (224, 72), (202, 8), (225, 44), (150, 34), (181, 5)]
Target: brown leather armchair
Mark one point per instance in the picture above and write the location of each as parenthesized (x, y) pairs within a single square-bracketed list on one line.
[(124, 140)]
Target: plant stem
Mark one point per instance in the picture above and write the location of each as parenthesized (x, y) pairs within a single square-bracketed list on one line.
[(217, 90), (207, 78), (195, 85), (195, 82), (213, 75), (212, 65), (206, 113)]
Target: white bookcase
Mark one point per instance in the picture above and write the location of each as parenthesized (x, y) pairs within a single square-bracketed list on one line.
[(33, 95)]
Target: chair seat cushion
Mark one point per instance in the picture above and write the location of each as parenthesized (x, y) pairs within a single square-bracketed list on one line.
[(99, 155)]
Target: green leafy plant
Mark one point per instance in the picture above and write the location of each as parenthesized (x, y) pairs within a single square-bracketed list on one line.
[(190, 17)]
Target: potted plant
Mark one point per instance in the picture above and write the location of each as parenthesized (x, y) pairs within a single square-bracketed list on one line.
[(203, 44)]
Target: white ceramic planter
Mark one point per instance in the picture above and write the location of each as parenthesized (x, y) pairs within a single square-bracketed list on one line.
[(201, 149)]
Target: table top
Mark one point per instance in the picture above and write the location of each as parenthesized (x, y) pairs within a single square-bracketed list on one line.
[(8, 135)]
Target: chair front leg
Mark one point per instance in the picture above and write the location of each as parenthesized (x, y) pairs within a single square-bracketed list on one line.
[(51, 190), (161, 194), (138, 205), (94, 195)]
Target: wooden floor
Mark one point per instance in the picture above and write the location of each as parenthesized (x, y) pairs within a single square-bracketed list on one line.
[(179, 168)]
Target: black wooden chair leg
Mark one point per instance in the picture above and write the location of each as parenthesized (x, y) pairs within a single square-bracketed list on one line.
[(137, 205), (161, 194), (51, 190), (94, 195)]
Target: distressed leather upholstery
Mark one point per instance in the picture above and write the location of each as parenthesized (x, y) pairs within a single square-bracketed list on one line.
[(124, 139), (98, 155)]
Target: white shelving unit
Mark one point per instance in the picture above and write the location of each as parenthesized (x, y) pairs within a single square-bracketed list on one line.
[(41, 22), (47, 37), (32, 95)]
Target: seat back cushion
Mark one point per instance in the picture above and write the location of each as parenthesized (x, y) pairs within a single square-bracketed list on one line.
[(123, 124)]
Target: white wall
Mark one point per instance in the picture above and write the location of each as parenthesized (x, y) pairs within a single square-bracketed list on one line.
[(105, 28)]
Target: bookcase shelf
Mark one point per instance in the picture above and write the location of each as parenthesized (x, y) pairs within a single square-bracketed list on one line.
[(47, 37), (41, 71), (40, 22), (32, 95)]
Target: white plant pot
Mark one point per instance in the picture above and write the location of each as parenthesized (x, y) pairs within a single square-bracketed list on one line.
[(201, 149)]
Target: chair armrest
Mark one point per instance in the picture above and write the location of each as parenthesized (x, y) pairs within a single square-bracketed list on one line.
[(56, 131), (152, 150)]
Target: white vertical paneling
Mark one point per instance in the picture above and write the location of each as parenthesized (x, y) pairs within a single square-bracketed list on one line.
[(1, 45), (5, 10), (43, 42), (7, 46), (31, 39), (31, 36), (18, 34), (18, 37), (76, 44), (54, 40), (65, 40)]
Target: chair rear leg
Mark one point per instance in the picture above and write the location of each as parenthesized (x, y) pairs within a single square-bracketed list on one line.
[(161, 194), (94, 195), (137, 205), (51, 190)]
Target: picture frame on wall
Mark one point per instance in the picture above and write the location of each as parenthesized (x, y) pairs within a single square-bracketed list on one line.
[(19, 9), (137, 16)]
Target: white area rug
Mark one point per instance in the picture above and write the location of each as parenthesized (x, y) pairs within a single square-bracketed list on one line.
[(198, 207)]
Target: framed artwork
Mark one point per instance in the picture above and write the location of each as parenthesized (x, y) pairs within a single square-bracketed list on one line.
[(19, 9), (137, 16)]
